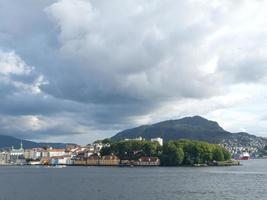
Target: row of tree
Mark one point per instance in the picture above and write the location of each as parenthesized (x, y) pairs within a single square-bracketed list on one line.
[(132, 150), (187, 152), (173, 153)]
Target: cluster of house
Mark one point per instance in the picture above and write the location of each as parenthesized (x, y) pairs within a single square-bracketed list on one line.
[(237, 151), (71, 155)]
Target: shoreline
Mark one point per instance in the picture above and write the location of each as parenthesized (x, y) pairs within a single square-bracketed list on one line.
[(218, 164)]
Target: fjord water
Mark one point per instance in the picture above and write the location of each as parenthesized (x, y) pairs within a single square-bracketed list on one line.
[(248, 181)]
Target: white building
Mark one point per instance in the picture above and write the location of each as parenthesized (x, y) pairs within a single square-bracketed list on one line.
[(17, 155), (98, 147), (17, 152), (35, 153), (56, 152), (134, 139), (61, 160), (4, 157), (159, 140)]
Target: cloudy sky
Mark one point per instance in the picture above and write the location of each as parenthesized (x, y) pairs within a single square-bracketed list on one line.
[(81, 70)]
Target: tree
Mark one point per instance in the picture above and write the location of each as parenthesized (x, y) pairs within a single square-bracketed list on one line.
[(105, 151), (218, 154), (133, 150), (172, 155), (226, 154)]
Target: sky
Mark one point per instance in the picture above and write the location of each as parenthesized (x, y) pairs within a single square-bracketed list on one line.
[(82, 70)]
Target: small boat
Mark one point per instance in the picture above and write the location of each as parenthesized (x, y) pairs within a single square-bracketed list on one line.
[(244, 156), (59, 166), (35, 163)]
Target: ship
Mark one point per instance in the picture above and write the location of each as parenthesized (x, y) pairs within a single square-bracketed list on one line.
[(244, 156), (35, 162)]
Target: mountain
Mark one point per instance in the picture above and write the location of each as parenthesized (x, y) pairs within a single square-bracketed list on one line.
[(194, 128), (9, 141)]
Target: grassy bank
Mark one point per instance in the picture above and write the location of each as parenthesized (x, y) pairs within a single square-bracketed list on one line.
[(227, 163)]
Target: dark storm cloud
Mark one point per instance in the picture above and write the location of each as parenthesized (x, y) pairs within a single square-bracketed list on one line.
[(123, 59)]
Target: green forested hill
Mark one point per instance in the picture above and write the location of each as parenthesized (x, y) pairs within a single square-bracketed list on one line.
[(193, 128)]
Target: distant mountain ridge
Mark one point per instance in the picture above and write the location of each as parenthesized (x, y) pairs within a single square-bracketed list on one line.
[(194, 128), (9, 141)]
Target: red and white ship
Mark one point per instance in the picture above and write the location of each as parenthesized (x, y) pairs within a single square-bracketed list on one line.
[(244, 156)]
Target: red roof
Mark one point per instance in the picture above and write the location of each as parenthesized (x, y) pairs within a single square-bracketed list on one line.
[(56, 150)]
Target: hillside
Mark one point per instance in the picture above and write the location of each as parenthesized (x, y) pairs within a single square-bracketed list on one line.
[(194, 128), (9, 141)]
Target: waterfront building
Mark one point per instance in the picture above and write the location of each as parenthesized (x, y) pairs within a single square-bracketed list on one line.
[(4, 157), (79, 162), (93, 160), (33, 154), (17, 155), (110, 160), (38, 153), (89, 152), (45, 153), (27, 154), (56, 152), (17, 152), (148, 161), (61, 160)]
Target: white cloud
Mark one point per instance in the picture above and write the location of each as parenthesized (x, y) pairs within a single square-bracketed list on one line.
[(10, 63), (73, 17), (122, 63), (16, 74)]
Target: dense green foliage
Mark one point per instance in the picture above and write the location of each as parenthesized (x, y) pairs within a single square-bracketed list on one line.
[(132, 150), (173, 153), (189, 152)]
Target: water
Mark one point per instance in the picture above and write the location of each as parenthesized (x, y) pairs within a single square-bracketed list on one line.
[(113, 183)]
